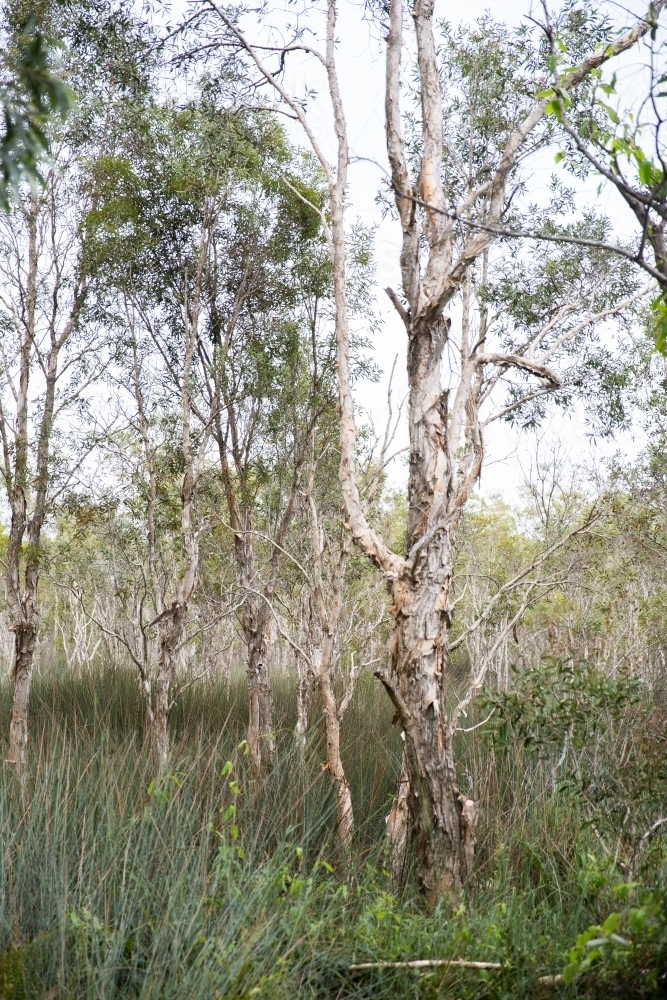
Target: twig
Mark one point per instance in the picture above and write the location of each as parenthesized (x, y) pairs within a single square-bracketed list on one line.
[(271, 541), (653, 828), (477, 726), (425, 963)]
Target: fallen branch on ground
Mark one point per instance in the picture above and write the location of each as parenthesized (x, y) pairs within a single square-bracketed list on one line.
[(425, 963), (438, 963)]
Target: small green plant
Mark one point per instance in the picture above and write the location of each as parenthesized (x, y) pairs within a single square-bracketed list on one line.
[(628, 940), (14, 980), (226, 831), (598, 741), (162, 788), (559, 699)]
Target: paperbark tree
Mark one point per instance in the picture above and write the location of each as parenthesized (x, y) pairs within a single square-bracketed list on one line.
[(268, 284), (150, 528), (258, 588), (46, 370), (159, 281), (321, 655), (55, 347), (170, 621), (441, 245)]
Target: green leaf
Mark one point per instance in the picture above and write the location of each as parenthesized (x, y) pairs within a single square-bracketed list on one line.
[(611, 924), (611, 114), (226, 769), (570, 972), (645, 172), (659, 323), (637, 920)]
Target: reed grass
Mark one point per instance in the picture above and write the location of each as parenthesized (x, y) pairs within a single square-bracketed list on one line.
[(199, 885)]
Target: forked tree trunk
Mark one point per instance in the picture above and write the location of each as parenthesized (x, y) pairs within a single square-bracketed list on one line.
[(22, 600), (172, 621), (256, 627)]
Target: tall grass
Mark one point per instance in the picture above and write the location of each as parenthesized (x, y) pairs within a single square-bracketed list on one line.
[(199, 885)]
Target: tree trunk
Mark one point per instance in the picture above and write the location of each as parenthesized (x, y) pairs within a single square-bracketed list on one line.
[(442, 821), (170, 640), (304, 688), (261, 738), (422, 615), (398, 823), (344, 812), (25, 638)]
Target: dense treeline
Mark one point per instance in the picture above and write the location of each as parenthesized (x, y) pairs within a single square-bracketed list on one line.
[(283, 696)]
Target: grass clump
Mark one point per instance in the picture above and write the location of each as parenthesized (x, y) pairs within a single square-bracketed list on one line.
[(118, 884)]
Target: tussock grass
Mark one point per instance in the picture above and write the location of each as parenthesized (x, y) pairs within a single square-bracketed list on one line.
[(199, 885)]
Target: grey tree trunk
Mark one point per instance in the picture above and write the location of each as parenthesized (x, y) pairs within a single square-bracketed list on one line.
[(170, 639), (344, 812), (261, 738), (25, 638), (304, 688), (24, 482)]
